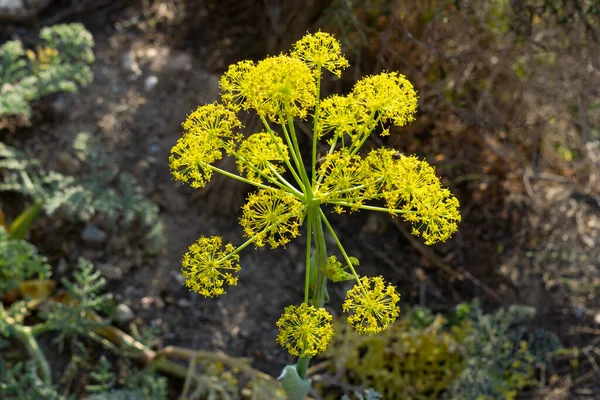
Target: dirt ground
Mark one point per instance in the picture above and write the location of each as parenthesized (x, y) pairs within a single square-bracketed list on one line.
[(510, 249)]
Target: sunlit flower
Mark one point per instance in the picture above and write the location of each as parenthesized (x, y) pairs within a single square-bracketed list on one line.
[(281, 85), (372, 305), (190, 159), (207, 266), (272, 216), (304, 330), (389, 97), (264, 152), (343, 178), (336, 115), (236, 86), (321, 50), (213, 121), (436, 217), (403, 181)]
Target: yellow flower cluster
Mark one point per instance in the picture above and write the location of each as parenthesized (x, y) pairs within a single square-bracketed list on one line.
[(372, 305), (207, 266), (291, 191), (265, 153), (304, 330), (272, 216)]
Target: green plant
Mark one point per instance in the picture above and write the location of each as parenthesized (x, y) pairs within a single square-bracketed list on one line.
[(500, 358), (291, 193), (100, 190), (418, 357), (19, 261), (79, 315), (59, 64), (470, 355)]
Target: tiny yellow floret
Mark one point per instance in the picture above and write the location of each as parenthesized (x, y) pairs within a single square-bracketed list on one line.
[(372, 305), (385, 97), (207, 267), (272, 216), (305, 331), (262, 153), (282, 87), (321, 50)]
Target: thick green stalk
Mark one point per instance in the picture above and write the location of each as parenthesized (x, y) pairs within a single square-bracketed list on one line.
[(319, 295)]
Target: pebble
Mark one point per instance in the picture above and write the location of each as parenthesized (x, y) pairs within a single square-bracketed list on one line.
[(93, 234), (129, 63), (110, 272), (184, 303), (150, 83), (124, 314), (67, 163)]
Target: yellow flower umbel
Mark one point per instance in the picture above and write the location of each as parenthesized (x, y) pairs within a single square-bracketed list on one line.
[(207, 267), (292, 193), (271, 216), (304, 330), (372, 305)]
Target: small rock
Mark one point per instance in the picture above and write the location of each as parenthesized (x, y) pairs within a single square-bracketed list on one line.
[(129, 63), (159, 303), (62, 266), (141, 169), (124, 314), (150, 83), (67, 164), (93, 234), (154, 148), (110, 272), (597, 318), (183, 303)]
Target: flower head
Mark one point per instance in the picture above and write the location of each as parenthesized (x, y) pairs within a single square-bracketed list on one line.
[(321, 50), (343, 178), (213, 122), (304, 330), (191, 157), (372, 305), (272, 216), (236, 86), (436, 217), (264, 152), (282, 87), (207, 267), (403, 181), (336, 114), (388, 96)]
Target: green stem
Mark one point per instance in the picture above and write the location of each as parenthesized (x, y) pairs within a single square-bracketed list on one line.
[(294, 137), (283, 185), (339, 244), (294, 154), (302, 366), (285, 158), (25, 335), (308, 263), (315, 125)]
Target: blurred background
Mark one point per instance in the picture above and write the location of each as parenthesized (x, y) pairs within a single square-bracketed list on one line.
[(509, 115)]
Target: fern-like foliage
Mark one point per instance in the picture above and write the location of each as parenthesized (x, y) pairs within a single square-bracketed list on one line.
[(21, 382), (100, 189), (103, 377), (84, 299), (499, 358), (60, 64), (19, 261)]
